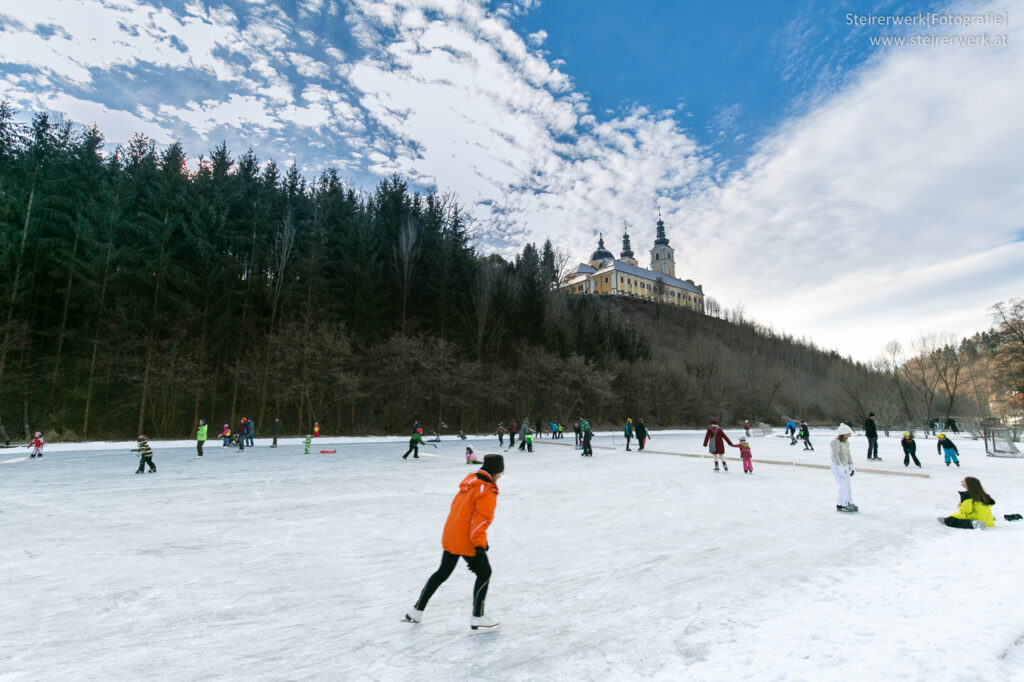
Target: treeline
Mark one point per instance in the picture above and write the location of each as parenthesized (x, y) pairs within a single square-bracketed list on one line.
[(139, 295)]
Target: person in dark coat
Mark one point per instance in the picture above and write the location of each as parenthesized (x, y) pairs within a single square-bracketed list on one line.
[(641, 433), (275, 430), (251, 432), (512, 429), (871, 431), (909, 449)]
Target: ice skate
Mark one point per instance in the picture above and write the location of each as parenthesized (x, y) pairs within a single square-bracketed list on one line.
[(716, 466), (725, 466), (942, 520), (978, 525), (413, 616), (481, 624)]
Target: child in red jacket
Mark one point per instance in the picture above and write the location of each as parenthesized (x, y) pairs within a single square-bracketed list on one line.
[(37, 445)]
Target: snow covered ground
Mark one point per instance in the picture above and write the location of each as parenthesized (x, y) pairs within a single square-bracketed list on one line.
[(274, 565)]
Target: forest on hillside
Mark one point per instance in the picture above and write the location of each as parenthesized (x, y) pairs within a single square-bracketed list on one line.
[(139, 295)]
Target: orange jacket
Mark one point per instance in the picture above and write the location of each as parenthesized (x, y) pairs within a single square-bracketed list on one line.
[(471, 514)]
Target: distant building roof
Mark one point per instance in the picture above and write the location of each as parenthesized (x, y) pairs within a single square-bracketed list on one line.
[(650, 274)]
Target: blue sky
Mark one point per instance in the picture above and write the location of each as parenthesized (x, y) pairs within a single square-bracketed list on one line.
[(842, 192)]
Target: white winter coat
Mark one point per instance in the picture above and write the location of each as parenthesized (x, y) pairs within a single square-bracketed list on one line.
[(841, 453)]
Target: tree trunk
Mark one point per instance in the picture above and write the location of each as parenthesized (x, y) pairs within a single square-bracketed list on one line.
[(64, 318), (17, 276), (96, 344)]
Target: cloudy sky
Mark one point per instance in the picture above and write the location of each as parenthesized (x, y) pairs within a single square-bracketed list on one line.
[(839, 190)]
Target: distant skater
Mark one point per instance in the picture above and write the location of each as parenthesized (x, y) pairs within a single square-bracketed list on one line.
[(465, 535), (628, 432), (909, 449), (471, 456), (947, 447), (805, 435), (842, 469), (145, 455), (641, 433), (975, 507), (512, 429), (714, 440), (588, 435), (500, 433), (871, 431), (275, 431), (200, 437), (36, 446), (414, 445), (226, 435)]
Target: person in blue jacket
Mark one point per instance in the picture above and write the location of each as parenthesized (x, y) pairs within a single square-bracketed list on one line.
[(947, 447)]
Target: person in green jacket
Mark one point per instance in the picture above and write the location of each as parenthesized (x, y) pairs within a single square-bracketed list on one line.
[(309, 439), (975, 507), (200, 437), (414, 445)]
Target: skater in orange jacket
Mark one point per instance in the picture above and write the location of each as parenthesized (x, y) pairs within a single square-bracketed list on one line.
[(465, 535)]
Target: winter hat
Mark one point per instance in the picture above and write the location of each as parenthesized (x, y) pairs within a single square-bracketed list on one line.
[(844, 430), (942, 435), (202, 421), (906, 434), (142, 438), (225, 426), (713, 421), (743, 439), (493, 464), (469, 450), (38, 434)]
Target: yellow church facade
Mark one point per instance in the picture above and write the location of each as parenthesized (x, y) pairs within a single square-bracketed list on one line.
[(605, 274)]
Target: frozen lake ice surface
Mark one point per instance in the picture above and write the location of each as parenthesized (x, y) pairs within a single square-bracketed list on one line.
[(275, 565)]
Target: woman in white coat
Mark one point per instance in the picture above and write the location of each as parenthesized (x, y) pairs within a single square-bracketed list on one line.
[(842, 468)]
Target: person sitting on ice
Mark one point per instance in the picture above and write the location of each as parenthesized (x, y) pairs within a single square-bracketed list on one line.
[(975, 507), (145, 455), (909, 449), (470, 457), (36, 445), (947, 447), (462, 436)]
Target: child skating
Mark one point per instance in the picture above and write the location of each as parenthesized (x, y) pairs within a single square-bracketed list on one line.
[(145, 455), (309, 439), (805, 435), (947, 447), (225, 435), (746, 456), (36, 446), (470, 456), (909, 449)]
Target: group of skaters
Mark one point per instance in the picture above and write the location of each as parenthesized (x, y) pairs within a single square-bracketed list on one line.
[(803, 432), (245, 433)]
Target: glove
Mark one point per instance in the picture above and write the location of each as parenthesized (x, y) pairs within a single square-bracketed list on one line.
[(851, 471), (480, 550)]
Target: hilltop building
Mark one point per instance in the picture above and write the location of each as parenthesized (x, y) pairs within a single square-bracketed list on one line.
[(604, 274)]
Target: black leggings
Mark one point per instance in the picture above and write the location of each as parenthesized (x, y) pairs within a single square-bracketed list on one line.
[(477, 564), (954, 522)]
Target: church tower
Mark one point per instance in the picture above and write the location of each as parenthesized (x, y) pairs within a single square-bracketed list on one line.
[(662, 255), (626, 255)]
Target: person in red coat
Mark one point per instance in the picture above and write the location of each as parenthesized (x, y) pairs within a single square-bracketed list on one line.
[(717, 439), (465, 535)]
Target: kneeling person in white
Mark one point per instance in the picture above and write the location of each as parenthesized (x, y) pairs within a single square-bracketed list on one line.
[(842, 468)]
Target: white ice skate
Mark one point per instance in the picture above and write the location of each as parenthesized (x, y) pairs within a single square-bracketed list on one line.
[(413, 616), (480, 624), (978, 525)]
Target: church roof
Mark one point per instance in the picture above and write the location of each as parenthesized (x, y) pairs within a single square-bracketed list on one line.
[(637, 271), (584, 269), (602, 253)]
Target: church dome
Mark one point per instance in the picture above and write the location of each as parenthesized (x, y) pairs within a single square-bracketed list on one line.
[(602, 253)]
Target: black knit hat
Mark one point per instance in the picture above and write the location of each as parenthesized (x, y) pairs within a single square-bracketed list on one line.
[(493, 464)]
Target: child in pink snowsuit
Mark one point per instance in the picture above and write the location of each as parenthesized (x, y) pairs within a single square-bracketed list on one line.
[(470, 457), (745, 454)]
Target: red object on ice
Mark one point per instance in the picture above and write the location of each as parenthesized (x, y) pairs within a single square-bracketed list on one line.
[(328, 452)]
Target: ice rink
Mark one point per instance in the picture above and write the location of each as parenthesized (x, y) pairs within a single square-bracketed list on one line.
[(275, 565)]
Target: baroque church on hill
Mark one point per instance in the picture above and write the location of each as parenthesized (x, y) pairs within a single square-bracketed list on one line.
[(623, 276)]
